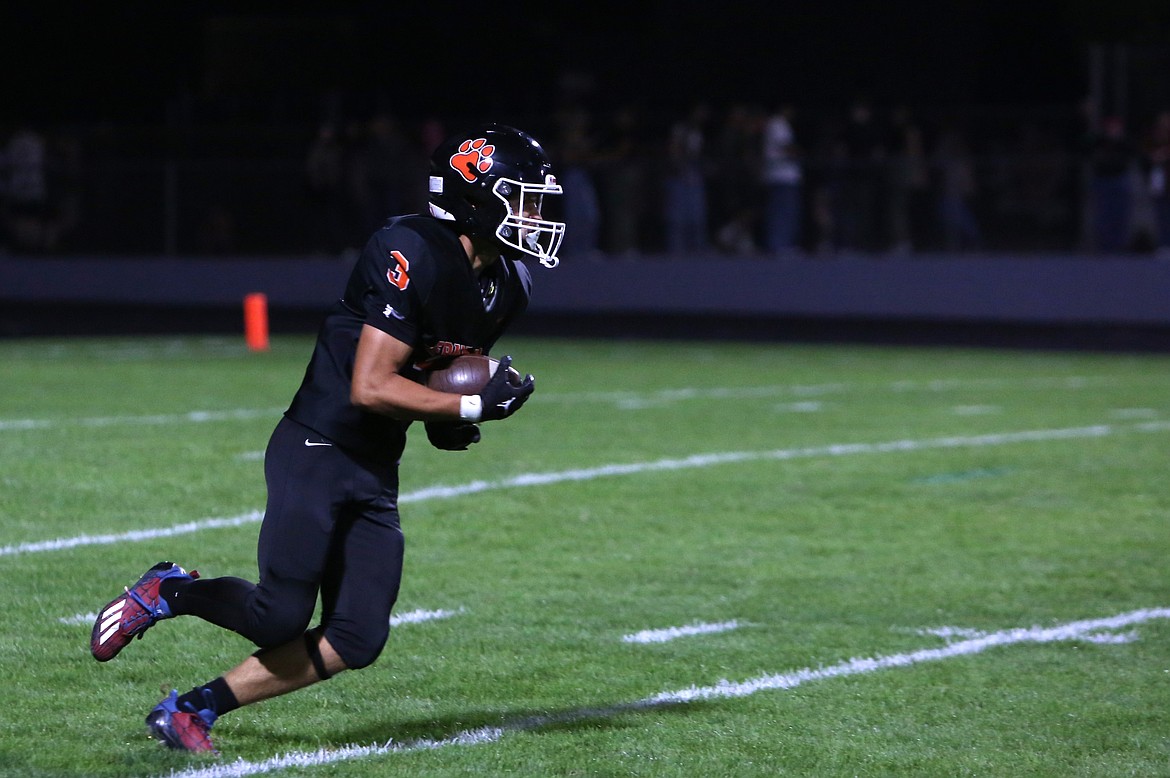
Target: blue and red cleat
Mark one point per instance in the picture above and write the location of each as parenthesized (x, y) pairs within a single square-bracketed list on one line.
[(185, 730), (131, 614)]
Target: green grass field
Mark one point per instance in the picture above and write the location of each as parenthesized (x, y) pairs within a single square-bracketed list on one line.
[(990, 529)]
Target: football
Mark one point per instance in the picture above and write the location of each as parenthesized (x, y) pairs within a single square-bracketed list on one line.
[(467, 374)]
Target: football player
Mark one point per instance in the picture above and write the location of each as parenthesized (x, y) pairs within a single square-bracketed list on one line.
[(425, 286)]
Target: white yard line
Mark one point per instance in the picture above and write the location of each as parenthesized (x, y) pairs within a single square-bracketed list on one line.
[(1089, 629), (673, 633), (419, 616), (951, 634), (133, 536), (632, 468)]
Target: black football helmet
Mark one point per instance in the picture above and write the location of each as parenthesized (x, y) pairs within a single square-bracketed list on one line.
[(491, 182)]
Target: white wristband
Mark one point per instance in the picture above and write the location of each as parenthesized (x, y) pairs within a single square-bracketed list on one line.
[(470, 407)]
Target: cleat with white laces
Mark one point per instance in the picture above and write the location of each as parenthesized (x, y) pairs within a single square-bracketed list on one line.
[(129, 615), (184, 730)]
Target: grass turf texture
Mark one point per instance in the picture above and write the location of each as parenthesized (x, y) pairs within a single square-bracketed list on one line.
[(823, 556)]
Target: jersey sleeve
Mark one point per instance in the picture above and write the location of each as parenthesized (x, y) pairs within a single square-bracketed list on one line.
[(399, 269)]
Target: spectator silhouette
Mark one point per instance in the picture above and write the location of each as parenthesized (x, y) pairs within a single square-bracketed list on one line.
[(26, 213), (1157, 150), (432, 132), (381, 170), (825, 172), (735, 180), (325, 167), (623, 183), (66, 185), (1111, 158), (955, 166), (909, 192), (576, 158), (862, 183), (1039, 177), (783, 182), (685, 198)]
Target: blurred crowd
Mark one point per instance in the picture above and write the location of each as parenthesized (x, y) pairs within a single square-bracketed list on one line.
[(39, 190), (770, 182), (741, 180)]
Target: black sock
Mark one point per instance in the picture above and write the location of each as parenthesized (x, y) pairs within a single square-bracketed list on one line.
[(215, 696), (170, 589), (222, 601)]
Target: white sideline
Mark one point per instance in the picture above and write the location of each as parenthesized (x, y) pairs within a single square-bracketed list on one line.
[(591, 473), (1076, 630), (191, 417), (623, 400)]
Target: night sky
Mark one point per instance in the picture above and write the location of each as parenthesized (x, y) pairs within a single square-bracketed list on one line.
[(128, 62)]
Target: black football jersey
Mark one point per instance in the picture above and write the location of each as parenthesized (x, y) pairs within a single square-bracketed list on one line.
[(413, 281)]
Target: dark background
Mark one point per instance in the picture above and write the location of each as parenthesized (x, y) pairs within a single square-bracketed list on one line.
[(132, 62), (179, 113)]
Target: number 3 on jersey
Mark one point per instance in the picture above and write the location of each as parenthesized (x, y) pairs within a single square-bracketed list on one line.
[(396, 275)]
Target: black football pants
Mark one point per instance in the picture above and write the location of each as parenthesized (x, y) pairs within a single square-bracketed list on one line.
[(330, 527)]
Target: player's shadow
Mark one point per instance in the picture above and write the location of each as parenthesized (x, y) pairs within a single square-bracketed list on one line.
[(482, 726)]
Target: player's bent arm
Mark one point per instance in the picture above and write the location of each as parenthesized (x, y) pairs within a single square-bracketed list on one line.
[(378, 387)]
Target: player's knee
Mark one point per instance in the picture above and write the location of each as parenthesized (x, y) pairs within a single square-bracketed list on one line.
[(280, 611), (358, 648), (278, 634), (281, 626)]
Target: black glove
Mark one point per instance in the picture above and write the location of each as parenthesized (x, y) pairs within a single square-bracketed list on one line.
[(501, 398), (452, 436)]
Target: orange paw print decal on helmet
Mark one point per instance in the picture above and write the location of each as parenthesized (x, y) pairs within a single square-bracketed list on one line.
[(472, 158)]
